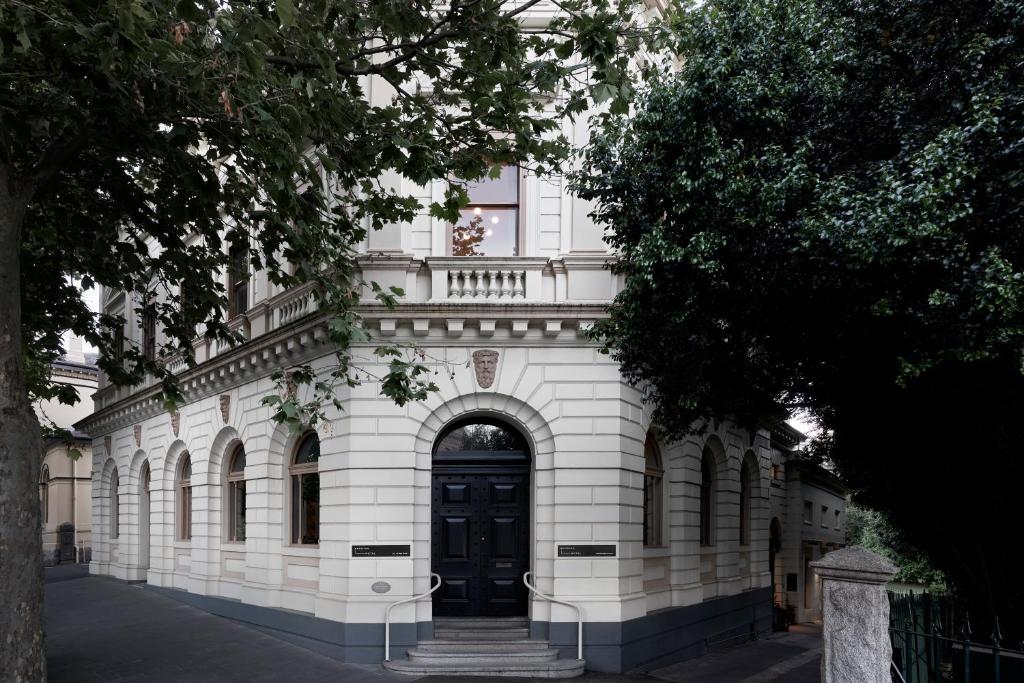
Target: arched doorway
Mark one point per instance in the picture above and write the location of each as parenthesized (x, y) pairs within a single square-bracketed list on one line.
[(480, 513)]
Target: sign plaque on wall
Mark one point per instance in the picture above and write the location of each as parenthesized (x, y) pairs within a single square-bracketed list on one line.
[(586, 550), (380, 551)]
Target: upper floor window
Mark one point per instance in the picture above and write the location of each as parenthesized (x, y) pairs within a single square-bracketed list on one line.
[(489, 225), (236, 495), (707, 484), (824, 516), (305, 480), (238, 279), (149, 336), (185, 498), (837, 519), (653, 477), (808, 512)]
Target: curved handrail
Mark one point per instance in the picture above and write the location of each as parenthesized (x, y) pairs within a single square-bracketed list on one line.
[(579, 614), (387, 615)]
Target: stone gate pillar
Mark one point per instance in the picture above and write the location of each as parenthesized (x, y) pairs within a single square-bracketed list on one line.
[(855, 644)]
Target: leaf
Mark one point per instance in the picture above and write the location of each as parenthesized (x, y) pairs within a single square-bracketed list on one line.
[(286, 12)]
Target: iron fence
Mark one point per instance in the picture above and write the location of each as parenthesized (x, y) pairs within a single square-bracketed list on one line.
[(932, 642)]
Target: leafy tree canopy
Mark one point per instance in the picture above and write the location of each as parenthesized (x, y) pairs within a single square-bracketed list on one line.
[(144, 144), (822, 210), (133, 132)]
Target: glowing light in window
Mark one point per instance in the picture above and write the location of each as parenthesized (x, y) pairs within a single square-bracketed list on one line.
[(477, 211), (495, 219)]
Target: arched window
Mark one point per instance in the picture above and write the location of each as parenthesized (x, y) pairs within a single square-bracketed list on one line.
[(185, 498), (145, 478), (707, 491), (44, 493), (236, 494), (747, 472), (115, 507), (306, 491), (653, 476)]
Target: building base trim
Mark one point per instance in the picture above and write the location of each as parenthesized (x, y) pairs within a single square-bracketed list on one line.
[(655, 640)]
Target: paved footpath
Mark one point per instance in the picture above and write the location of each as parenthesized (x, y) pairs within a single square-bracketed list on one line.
[(103, 630)]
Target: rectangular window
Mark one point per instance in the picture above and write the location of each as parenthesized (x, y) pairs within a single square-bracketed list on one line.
[(306, 510), (238, 280), (489, 225), (837, 520), (236, 510), (185, 517), (824, 516), (808, 512), (652, 510), (149, 336)]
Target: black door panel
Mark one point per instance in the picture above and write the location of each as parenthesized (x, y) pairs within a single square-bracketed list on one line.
[(480, 541)]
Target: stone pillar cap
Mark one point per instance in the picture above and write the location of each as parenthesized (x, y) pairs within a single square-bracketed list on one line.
[(857, 564)]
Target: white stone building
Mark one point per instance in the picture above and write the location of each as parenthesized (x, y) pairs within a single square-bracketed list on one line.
[(535, 456)]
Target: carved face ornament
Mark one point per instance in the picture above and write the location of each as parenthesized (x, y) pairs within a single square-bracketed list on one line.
[(485, 362)]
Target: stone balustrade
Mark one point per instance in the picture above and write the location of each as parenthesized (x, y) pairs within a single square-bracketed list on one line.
[(486, 279), (291, 305)]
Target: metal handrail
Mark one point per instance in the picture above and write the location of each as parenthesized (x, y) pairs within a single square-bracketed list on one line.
[(579, 614), (387, 615)]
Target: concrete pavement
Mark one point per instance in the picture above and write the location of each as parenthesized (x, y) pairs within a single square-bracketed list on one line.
[(100, 629)]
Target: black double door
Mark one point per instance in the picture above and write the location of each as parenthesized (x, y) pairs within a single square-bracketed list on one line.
[(480, 541)]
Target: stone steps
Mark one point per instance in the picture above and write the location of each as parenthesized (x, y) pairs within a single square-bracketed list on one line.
[(515, 645), (488, 647), (496, 667)]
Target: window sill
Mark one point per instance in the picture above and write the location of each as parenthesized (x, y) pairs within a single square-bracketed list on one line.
[(656, 551), (301, 550)]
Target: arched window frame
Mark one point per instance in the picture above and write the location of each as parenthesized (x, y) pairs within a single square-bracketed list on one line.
[(184, 521), (708, 466), (115, 506), (234, 479), (44, 493), (654, 476), (304, 480)]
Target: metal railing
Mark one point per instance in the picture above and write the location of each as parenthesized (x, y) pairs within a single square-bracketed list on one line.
[(579, 614), (932, 643), (387, 615)]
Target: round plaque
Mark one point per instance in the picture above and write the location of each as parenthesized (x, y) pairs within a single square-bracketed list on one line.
[(381, 587)]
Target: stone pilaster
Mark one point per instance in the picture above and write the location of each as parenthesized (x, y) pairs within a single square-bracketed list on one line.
[(855, 638)]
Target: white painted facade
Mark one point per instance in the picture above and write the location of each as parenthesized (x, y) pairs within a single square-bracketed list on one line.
[(586, 430)]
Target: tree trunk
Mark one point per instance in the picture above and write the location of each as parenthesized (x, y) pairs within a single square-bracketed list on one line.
[(22, 640)]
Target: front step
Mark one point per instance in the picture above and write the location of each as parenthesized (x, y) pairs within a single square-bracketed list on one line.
[(485, 646), (517, 645), (467, 623), (481, 634), (493, 667), (430, 656)]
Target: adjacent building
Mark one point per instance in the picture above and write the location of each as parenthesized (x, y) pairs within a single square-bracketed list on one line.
[(65, 487)]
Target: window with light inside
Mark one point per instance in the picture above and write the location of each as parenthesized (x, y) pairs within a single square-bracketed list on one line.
[(489, 225)]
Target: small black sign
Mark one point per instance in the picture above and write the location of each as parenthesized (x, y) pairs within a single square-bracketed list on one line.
[(380, 551), (586, 551), (790, 582)]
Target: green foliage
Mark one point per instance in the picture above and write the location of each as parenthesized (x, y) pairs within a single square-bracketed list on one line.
[(873, 530), (822, 210), (143, 138)]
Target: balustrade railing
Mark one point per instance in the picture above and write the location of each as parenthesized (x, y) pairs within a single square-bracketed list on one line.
[(474, 283), (292, 305)]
